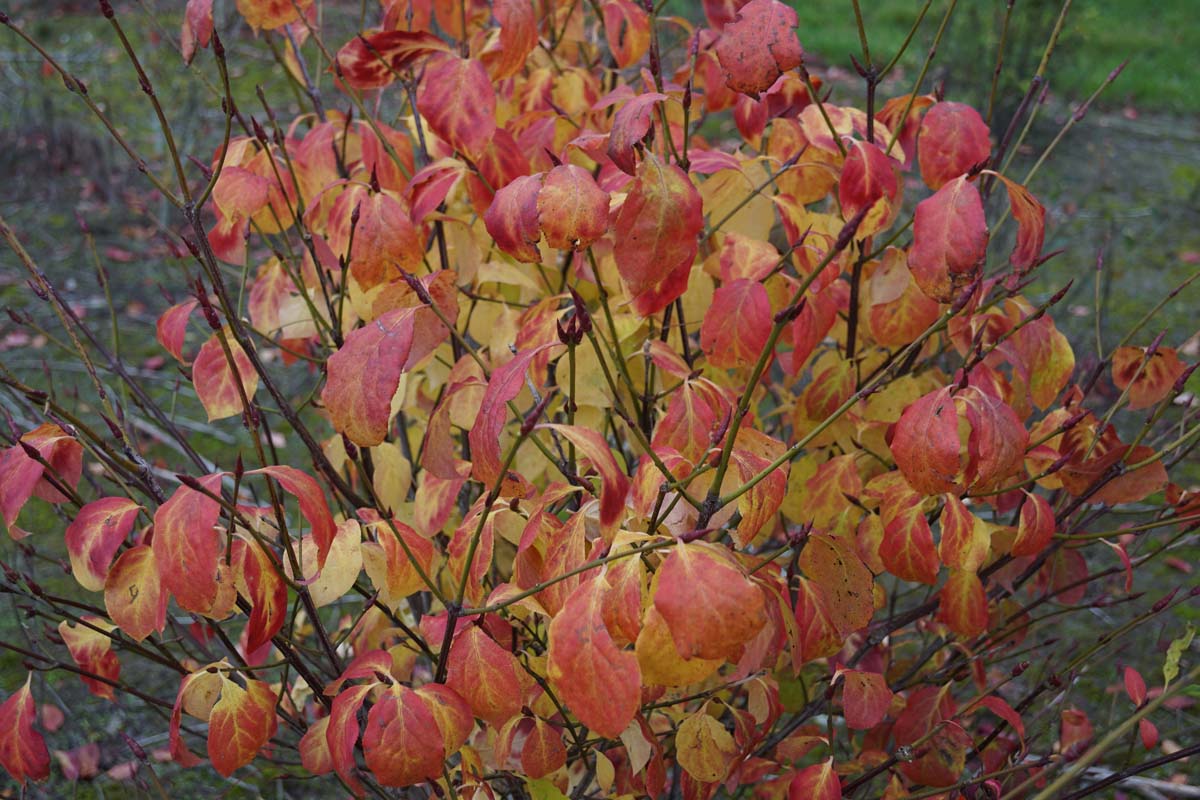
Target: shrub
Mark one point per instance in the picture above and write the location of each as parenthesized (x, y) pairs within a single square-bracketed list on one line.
[(579, 455)]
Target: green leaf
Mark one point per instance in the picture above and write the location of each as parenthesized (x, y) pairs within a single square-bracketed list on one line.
[(1175, 653)]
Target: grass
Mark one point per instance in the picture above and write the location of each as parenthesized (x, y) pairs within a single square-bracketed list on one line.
[(1158, 39)]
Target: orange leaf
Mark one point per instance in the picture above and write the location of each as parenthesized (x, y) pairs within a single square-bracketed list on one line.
[(848, 584), (899, 311), (486, 675), (1075, 734), (965, 540), (271, 14), (627, 28), (571, 209), (817, 635), (759, 45), (21, 476), (656, 235), (707, 601), (92, 651), (963, 604), (267, 594), (23, 752), (1157, 377), (241, 723), (342, 733), (133, 593), (216, 381), (598, 682), (950, 237), (94, 537), (402, 743), (703, 748), (484, 436), (953, 139)]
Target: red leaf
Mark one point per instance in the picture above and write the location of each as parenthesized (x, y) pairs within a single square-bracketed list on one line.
[(1135, 687), (1035, 528), (1148, 732), (364, 375), (614, 485), (629, 126), (94, 537), (953, 139), (486, 675), (925, 443), (505, 384), (512, 219), (950, 237), (1006, 712), (907, 549), (817, 782), (1031, 225), (172, 326), (187, 548), (518, 37), (23, 752), (402, 742), (197, 28), (869, 179), (816, 634), (312, 503), (466, 126), (759, 45), (598, 682), (737, 325), (371, 62), (866, 699), (656, 234)]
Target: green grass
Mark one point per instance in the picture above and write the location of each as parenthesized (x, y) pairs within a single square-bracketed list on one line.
[(1158, 39)]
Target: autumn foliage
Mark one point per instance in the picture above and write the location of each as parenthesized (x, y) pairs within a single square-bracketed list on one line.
[(613, 419)]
